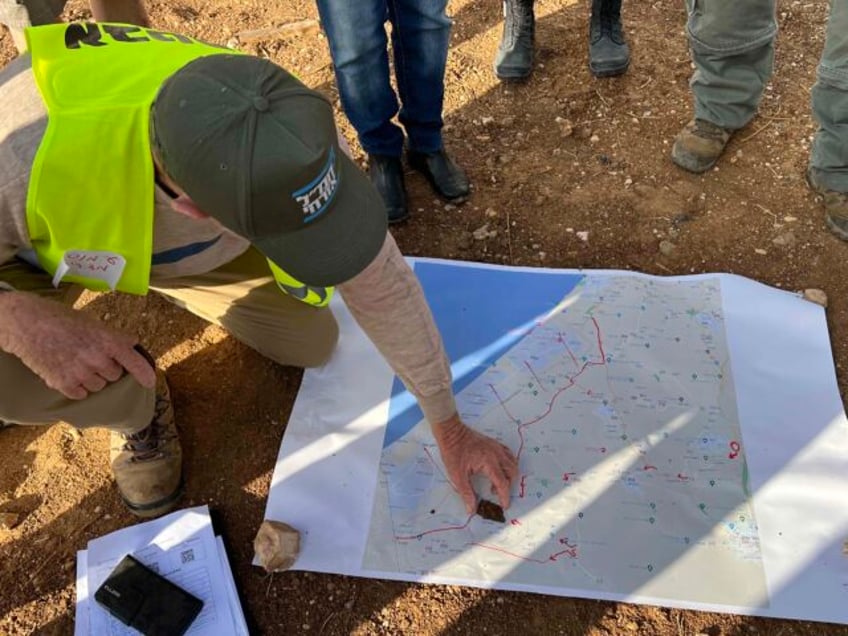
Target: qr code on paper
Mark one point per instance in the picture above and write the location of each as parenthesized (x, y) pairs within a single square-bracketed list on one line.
[(187, 556)]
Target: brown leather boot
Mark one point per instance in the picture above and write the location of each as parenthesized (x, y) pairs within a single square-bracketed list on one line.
[(148, 464), (835, 206), (699, 145)]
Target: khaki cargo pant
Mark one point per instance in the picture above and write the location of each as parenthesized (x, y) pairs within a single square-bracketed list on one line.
[(241, 297), (732, 44)]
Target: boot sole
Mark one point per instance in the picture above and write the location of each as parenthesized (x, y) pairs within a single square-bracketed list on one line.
[(510, 76), (513, 78), (462, 198), (609, 71), (146, 511), (689, 163), (398, 219)]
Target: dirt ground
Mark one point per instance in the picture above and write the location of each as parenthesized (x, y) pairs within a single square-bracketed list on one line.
[(561, 154)]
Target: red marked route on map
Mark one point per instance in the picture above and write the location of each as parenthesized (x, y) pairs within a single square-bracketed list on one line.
[(621, 409)]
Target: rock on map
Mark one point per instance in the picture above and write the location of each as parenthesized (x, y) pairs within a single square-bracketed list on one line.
[(681, 442), (621, 408)]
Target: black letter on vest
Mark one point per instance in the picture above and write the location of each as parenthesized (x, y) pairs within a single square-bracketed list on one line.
[(122, 33), (160, 35), (86, 33), (168, 36)]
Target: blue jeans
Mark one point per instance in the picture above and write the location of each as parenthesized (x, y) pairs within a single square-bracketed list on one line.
[(358, 44)]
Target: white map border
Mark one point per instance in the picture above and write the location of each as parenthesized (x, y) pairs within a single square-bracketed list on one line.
[(790, 412)]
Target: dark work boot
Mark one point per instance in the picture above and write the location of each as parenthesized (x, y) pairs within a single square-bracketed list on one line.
[(445, 177), (608, 52), (514, 59), (386, 174)]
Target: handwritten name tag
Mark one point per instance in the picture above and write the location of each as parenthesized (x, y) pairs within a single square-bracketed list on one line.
[(97, 265)]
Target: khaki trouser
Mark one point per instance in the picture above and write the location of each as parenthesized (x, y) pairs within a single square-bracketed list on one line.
[(241, 297), (732, 44)]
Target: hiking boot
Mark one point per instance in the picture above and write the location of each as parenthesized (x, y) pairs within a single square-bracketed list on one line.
[(699, 145), (609, 54), (835, 206), (514, 59), (148, 464)]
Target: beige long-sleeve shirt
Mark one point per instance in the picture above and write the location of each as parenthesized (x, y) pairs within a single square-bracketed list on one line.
[(385, 298)]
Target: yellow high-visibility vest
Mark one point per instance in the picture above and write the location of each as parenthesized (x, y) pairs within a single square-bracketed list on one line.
[(90, 200)]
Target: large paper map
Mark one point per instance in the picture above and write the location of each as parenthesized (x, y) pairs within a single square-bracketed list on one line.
[(621, 408), (682, 442)]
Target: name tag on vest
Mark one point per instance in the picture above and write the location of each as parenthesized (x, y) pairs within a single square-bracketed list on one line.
[(96, 265)]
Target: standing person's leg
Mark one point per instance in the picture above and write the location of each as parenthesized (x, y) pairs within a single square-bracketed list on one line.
[(732, 46), (127, 11), (420, 40), (145, 453), (828, 172), (17, 15), (357, 35), (514, 59), (20, 14), (609, 54), (243, 297)]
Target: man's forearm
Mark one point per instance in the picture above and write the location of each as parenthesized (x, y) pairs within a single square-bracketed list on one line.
[(389, 305)]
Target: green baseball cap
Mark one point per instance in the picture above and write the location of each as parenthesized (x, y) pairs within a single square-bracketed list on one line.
[(258, 150)]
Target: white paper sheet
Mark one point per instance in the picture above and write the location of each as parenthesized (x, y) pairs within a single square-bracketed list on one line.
[(181, 547), (331, 476), (82, 622), (239, 624)]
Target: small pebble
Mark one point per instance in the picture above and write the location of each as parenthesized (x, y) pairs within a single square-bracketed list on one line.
[(566, 128), (667, 248), (787, 239), (816, 296)]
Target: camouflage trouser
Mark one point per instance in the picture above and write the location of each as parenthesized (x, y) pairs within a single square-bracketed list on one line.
[(732, 43)]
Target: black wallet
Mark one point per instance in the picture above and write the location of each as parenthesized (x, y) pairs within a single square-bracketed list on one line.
[(146, 601)]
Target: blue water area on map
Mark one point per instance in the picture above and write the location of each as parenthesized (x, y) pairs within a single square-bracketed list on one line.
[(481, 313)]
